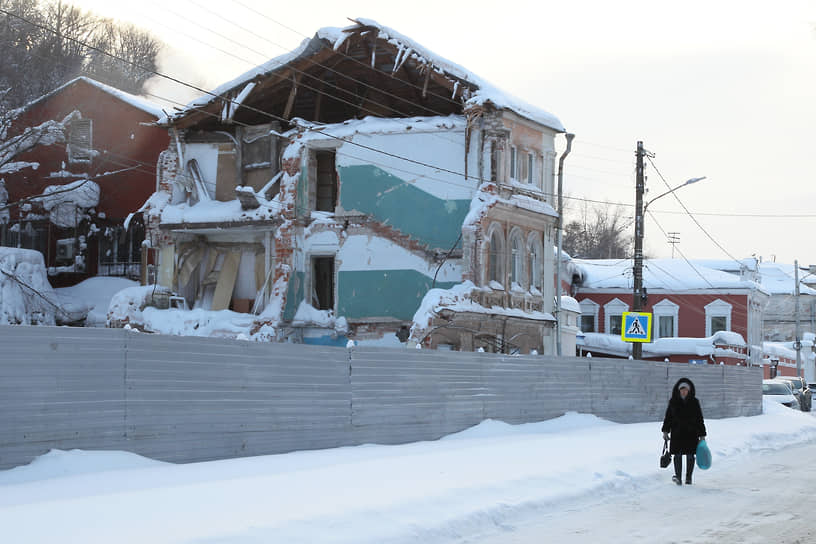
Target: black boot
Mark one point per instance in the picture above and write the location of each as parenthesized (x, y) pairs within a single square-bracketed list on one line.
[(689, 468), (678, 467)]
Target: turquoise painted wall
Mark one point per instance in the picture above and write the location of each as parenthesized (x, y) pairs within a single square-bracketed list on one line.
[(294, 296), (383, 293), (428, 219)]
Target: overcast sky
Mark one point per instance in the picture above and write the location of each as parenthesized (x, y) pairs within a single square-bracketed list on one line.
[(722, 89)]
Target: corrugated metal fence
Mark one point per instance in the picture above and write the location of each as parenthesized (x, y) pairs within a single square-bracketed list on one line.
[(187, 399)]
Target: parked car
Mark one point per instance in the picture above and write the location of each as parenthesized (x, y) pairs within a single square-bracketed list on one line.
[(780, 391), (800, 390)]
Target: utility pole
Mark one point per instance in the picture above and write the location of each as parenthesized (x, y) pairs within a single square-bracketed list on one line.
[(637, 294), (674, 239), (797, 345)]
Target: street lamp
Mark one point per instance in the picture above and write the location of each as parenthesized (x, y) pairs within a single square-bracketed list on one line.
[(638, 295), (687, 182)]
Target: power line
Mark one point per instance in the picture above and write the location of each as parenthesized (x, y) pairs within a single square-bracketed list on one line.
[(689, 213)]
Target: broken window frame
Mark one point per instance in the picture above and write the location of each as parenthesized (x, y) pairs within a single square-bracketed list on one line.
[(251, 137)]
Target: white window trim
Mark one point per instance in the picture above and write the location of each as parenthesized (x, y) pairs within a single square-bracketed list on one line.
[(666, 308), (614, 307), (718, 308), (589, 307)]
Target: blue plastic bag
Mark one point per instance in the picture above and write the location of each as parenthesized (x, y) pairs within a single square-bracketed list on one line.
[(703, 455)]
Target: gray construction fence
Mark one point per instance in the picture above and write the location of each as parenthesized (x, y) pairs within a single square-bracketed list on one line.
[(186, 399)]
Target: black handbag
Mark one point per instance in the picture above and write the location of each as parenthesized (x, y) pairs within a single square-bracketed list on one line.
[(665, 457)]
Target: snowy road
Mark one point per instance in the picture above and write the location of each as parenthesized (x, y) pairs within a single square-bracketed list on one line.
[(766, 497), (575, 478)]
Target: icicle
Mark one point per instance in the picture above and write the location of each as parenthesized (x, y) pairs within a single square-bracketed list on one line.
[(374, 56), (455, 88)]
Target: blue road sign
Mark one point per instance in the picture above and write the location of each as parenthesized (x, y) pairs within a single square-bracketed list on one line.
[(637, 327)]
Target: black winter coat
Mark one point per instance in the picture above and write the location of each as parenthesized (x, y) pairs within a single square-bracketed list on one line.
[(684, 420)]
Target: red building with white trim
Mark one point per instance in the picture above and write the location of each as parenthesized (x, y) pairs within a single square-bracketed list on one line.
[(70, 199), (687, 300)]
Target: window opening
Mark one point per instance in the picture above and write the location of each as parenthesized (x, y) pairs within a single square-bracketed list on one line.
[(535, 272), (80, 140), (513, 165), (530, 168), (326, 197), (718, 323), (323, 283), (665, 326), (493, 258), (615, 324)]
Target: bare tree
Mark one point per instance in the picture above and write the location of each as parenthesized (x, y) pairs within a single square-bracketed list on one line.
[(42, 45), (138, 49), (599, 232)]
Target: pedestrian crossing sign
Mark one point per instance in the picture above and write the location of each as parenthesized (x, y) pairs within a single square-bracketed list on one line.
[(637, 327)]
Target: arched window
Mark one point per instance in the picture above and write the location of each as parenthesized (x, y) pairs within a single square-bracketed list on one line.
[(516, 261), (534, 263), (493, 258)]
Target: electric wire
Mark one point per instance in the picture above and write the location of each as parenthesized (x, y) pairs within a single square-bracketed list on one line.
[(716, 243)]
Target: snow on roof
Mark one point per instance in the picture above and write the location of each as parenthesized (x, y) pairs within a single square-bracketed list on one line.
[(136, 101), (378, 125), (661, 347), (570, 304), (775, 278), (668, 274), (215, 211), (486, 93), (779, 278)]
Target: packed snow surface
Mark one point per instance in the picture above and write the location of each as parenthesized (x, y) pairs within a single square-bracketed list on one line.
[(432, 492)]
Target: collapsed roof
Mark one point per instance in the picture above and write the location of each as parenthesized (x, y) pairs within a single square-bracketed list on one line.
[(362, 70)]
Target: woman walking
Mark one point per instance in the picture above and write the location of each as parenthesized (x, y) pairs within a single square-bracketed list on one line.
[(684, 423)]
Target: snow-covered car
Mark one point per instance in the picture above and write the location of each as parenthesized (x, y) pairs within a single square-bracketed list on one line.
[(779, 391), (800, 391)]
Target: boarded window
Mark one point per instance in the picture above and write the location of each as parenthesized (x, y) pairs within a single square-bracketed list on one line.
[(326, 181), (80, 140), (257, 147), (323, 283), (258, 155)]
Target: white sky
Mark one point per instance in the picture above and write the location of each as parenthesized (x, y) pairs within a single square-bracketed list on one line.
[(718, 89)]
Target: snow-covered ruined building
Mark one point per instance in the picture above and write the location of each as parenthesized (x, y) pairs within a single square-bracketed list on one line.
[(74, 164), (362, 187)]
